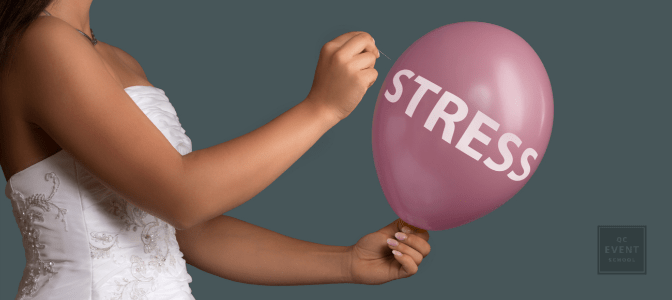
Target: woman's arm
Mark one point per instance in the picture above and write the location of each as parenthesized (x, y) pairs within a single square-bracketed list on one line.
[(226, 175), (219, 178), (243, 252)]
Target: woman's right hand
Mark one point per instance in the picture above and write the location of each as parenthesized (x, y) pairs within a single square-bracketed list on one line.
[(344, 72)]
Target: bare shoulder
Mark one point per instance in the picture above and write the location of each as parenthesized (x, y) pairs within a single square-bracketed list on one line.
[(50, 43), (47, 34), (71, 93), (49, 54), (128, 60)]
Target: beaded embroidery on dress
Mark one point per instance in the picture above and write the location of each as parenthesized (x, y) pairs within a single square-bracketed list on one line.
[(83, 241)]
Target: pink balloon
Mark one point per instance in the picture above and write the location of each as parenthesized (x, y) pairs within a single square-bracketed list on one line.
[(460, 124)]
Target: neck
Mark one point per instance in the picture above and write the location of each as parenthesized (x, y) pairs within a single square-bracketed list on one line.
[(74, 12)]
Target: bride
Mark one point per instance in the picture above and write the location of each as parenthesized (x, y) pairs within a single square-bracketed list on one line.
[(109, 207)]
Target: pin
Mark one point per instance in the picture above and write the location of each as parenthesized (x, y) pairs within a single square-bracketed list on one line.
[(383, 54)]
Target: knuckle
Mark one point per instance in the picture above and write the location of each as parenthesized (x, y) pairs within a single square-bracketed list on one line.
[(361, 77), (340, 57), (374, 76), (327, 48), (365, 83), (414, 270), (351, 68)]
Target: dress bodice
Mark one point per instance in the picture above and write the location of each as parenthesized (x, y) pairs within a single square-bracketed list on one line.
[(83, 241)]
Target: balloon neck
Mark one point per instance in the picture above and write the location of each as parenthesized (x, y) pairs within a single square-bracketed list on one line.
[(416, 229)]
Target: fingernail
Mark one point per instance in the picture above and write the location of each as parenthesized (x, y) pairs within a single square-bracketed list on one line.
[(374, 40), (392, 242), (400, 236), (395, 252), (405, 229)]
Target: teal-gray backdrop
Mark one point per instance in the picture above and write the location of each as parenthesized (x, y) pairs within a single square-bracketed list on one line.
[(229, 67)]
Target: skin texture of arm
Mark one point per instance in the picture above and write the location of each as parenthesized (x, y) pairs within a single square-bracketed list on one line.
[(72, 96), (226, 175), (66, 89), (243, 252), (231, 173), (303, 125)]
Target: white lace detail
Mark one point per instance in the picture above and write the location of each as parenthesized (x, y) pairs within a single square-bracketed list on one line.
[(154, 235), (26, 218), (101, 238), (108, 249)]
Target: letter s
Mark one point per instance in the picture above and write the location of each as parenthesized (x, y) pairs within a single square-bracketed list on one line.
[(504, 150), (397, 85), (525, 163)]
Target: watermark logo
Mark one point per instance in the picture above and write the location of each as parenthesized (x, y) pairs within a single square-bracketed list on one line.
[(621, 249)]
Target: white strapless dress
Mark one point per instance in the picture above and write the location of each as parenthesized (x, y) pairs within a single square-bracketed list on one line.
[(83, 241)]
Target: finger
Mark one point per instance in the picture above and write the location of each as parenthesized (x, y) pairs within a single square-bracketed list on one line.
[(423, 234), (341, 39), (414, 242), (408, 266), (369, 76), (334, 45), (405, 249), (357, 44), (363, 61), (412, 229), (393, 227), (400, 224), (418, 232), (390, 229)]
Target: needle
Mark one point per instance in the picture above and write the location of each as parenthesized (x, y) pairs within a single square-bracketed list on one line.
[(383, 54)]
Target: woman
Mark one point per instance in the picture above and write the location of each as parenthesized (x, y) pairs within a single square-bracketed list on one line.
[(112, 208)]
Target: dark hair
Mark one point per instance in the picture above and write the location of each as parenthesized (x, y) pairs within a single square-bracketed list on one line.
[(15, 17)]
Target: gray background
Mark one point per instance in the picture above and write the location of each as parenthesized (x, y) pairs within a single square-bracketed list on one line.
[(229, 68)]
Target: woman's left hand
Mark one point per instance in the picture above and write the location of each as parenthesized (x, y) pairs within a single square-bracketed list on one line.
[(372, 260)]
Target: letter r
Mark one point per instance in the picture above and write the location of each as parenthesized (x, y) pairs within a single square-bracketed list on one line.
[(439, 111)]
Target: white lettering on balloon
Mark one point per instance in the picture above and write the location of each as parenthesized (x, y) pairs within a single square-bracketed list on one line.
[(439, 111), (473, 130), (424, 86), (504, 150), (473, 133), (397, 85), (526, 165)]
